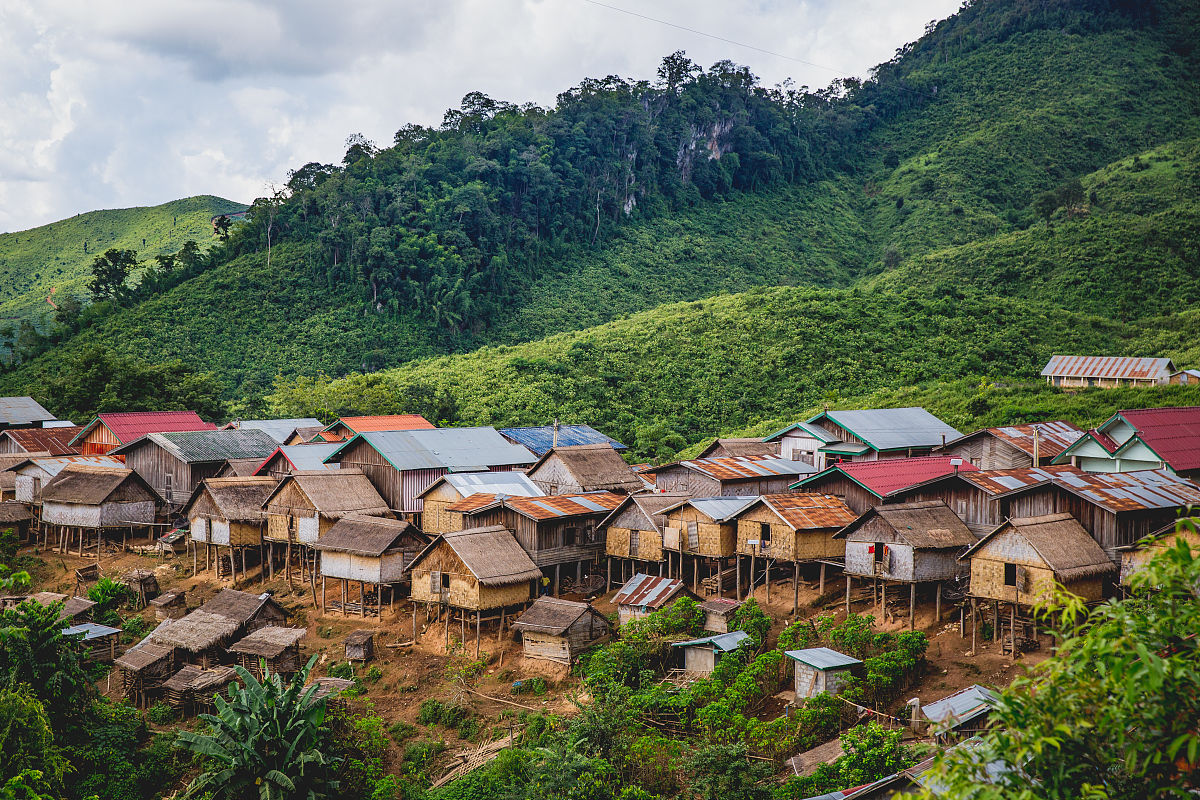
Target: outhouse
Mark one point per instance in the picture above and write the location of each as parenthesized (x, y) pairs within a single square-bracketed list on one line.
[(703, 655), (819, 669)]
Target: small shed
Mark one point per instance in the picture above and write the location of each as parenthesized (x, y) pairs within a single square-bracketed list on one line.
[(278, 648), (718, 613), (192, 688), (84, 500), (643, 594), (141, 582), (199, 638), (584, 468), (16, 517), (75, 610), (171, 604), (98, 642), (962, 714), (703, 655), (368, 551), (144, 668), (723, 448), (558, 630), (360, 645), (819, 669)]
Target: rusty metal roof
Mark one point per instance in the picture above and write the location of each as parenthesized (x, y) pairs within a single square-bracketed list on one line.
[(1144, 369), (1132, 491), (1053, 437), (648, 590), (1002, 481), (544, 507), (809, 510), (732, 468)]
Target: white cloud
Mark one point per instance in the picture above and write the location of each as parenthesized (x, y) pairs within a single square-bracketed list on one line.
[(136, 102)]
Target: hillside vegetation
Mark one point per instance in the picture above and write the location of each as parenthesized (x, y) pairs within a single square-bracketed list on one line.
[(59, 256)]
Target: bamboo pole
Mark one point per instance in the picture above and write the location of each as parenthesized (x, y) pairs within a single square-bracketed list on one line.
[(796, 587), (847, 595)]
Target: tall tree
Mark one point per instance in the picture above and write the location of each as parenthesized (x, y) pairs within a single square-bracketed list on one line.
[(110, 273)]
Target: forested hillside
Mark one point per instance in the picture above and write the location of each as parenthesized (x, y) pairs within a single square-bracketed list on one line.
[(953, 217)]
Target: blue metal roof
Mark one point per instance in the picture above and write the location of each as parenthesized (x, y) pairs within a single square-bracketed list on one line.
[(822, 658), (540, 439), (960, 707), (721, 642), (453, 449), (90, 630), (309, 456), (22, 411)]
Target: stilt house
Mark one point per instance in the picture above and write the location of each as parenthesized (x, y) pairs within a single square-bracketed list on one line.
[(36, 470), (278, 648), (702, 531), (1035, 444), (454, 487), (584, 468), (83, 501), (226, 518), (728, 476), (863, 484), (371, 551), (633, 532), (559, 630)]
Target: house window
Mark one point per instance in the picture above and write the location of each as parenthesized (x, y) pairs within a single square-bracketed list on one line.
[(445, 581), (1010, 574), (878, 549), (764, 536), (635, 542), (693, 536), (570, 537)]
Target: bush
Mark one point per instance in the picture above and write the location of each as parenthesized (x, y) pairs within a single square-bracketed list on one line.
[(343, 670), (161, 714), (373, 675), (402, 730)]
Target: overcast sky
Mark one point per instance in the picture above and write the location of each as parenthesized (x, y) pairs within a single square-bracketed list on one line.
[(114, 103)]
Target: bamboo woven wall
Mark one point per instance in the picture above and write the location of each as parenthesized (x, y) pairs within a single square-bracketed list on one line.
[(714, 540)]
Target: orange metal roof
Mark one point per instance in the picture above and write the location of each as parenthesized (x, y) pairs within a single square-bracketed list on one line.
[(546, 507), (387, 422), (1142, 490), (808, 510), (728, 468), (472, 502), (1053, 437), (1109, 367)]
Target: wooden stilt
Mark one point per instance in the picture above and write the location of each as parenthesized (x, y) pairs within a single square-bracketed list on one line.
[(883, 600), (912, 605), (696, 574), (478, 630), (414, 620), (739, 577), (750, 591), (500, 631), (767, 577), (362, 598), (847, 595), (343, 596), (821, 585), (1012, 624), (194, 557), (996, 621), (557, 576), (973, 626), (608, 577), (578, 573), (937, 603), (323, 602), (795, 587)]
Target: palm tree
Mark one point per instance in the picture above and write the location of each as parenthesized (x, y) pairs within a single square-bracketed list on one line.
[(265, 742)]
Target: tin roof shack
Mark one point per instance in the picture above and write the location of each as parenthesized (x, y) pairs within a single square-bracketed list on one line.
[(51, 441), (289, 459), (226, 516), (718, 613), (96, 642), (436, 516), (479, 570), (633, 532), (559, 630), (644, 594), (781, 528), (1185, 377), (722, 448), (345, 428), (864, 484), (963, 714), (22, 412), (701, 656), (1106, 372), (108, 431), (8, 476), (278, 648), (803, 442), (30, 473), (1140, 439), (302, 507), (82, 501), (1135, 556), (819, 669), (539, 439), (552, 530), (584, 468), (879, 433), (369, 551), (731, 476), (704, 528), (906, 543), (403, 464), (281, 430), (1014, 446), (175, 463)]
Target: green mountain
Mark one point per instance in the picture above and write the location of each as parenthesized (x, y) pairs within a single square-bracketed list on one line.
[(58, 257), (1020, 180)]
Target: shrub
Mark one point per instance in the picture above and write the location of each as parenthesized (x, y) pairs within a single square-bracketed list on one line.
[(161, 714), (402, 730)]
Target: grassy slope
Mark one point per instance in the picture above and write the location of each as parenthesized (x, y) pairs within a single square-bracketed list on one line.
[(33, 261)]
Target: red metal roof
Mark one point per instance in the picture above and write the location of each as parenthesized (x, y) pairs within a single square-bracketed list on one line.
[(1172, 433), (889, 475), (1144, 369), (387, 422), (55, 441), (648, 590), (1103, 439), (130, 425), (1053, 437)]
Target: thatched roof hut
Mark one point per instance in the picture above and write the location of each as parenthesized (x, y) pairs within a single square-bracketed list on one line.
[(278, 647), (309, 503), (87, 496), (478, 569), (248, 609), (584, 468), (908, 542), (229, 511), (557, 630), (76, 609)]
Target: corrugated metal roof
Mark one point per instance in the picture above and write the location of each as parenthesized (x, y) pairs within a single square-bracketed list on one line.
[(22, 411), (721, 642), (130, 425), (892, 428), (728, 468), (385, 422), (90, 631), (804, 428), (1108, 367), (960, 707), (1172, 433), (1053, 437), (307, 457), (55, 441), (1002, 481), (53, 466), (453, 449), (540, 438), (207, 446), (822, 658), (513, 484), (1133, 491), (563, 505), (718, 509), (277, 429), (810, 510), (889, 475), (648, 590)]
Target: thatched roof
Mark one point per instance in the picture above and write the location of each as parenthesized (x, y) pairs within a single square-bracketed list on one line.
[(198, 631), (89, 485), (739, 447), (180, 681), (552, 616), (327, 687), (143, 654), (369, 536), (72, 606), (240, 467), (1064, 544), (12, 511), (335, 493), (593, 466), (235, 499), (359, 637), (491, 554), (929, 525), (269, 642), (191, 678), (651, 504), (241, 607)]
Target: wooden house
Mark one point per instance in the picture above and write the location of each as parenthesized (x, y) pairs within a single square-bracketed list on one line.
[(1135, 556), (346, 428), (1035, 444), (863, 484), (1140, 439), (633, 533), (479, 571), (171, 604), (251, 611), (84, 500), (49, 441), (192, 688), (239, 468), (305, 505), (701, 656), (201, 637), (554, 530), (74, 611), (559, 630), (880, 433), (401, 465), (803, 442), (1185, 377), (819, 669), (360, 645), (965, 713), (1106, 372), (96, 642), (281, 430), (144, 668), (983, 499), (908, 543), (719, 613), (306, 435), (108, 431), (584, 468), (174, 463), (33, 472), (540, 439), (727, 476), (702, 531), (16, 517), (723, 448), (8, 475), (369, 551), (289, 459), (644, 594), (23, 412), (777, 529), (454, 487), (275, 647), (226, 518)]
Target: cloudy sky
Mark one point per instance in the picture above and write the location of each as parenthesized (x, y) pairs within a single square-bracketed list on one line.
[(113, 103)]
